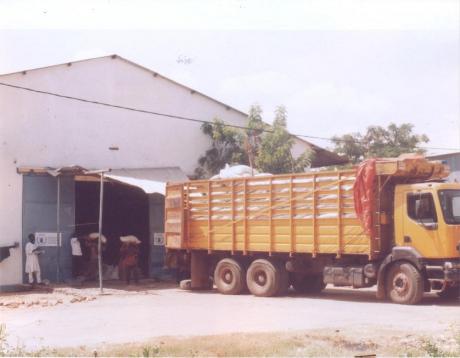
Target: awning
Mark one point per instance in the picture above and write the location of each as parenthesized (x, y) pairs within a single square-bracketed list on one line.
[(68, 170), (150, 180)]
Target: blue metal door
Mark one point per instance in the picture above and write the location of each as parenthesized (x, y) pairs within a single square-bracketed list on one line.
[(40, 215)]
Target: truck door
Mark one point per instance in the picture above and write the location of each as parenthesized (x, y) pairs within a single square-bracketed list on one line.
[(420, 223)]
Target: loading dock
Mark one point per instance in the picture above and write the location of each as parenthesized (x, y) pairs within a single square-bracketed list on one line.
[(125, 212), (133, 205)]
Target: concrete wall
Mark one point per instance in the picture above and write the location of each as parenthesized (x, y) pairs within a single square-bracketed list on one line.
[(42, 130), (10, 219), (453, 161)]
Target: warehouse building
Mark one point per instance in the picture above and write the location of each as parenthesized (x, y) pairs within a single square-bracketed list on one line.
[(453, 161), (49, 143)]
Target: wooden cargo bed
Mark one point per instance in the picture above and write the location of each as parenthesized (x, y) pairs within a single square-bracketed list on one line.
[(296, 213)]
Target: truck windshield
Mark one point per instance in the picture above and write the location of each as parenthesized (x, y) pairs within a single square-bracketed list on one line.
[(450, 203)]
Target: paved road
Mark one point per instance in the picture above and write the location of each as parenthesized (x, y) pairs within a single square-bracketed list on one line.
[(123, 316)]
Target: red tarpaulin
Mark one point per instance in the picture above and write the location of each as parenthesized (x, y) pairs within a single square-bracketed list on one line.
[(363, 193)]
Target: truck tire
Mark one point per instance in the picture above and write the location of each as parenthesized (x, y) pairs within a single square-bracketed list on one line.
[(404, 284), (263, 278), (308, 283), (230, 277)]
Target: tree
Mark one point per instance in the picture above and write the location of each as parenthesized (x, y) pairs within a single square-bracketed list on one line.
[(274, 154), (265, 148), (227, 146), (254, 131), (380, 142), (350, 145)]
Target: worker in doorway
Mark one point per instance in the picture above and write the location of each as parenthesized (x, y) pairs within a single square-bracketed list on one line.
[(91, 243), (77, 256), (129, 258), (32, 264), (179, 264)]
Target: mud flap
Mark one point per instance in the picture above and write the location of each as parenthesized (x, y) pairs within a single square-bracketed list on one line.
[(200, 271)]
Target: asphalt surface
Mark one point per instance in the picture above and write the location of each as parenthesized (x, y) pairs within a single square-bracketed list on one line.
[(158, 310)]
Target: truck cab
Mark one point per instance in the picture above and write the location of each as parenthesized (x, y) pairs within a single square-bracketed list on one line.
[(427, 218), (427, 225)]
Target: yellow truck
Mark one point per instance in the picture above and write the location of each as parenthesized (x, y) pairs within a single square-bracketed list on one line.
[(394, 223)]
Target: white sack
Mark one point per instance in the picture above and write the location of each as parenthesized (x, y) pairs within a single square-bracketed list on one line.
[(95, 235), (130, 238)]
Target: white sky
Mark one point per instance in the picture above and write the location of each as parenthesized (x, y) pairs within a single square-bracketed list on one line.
[(338, 66)]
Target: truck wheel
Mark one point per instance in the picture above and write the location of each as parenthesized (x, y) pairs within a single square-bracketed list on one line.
[(404, 284), (308, 283), (229, 277), (263, 278)]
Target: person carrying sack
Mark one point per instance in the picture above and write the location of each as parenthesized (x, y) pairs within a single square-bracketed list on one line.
[(129, 258)]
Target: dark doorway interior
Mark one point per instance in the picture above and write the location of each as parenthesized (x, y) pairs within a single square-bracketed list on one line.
[(126, 212)]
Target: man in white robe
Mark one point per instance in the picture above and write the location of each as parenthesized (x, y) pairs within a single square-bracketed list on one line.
[(32, 264), (77, 256)]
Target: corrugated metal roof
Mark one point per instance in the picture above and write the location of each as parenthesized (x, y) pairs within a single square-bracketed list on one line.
[(445, 155)]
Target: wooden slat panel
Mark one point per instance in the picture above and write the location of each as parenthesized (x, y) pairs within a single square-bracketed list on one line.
[(186, 214), (289, 213), (209, 218), (233, 218), (291, 223), (339, 219), (174, 216), (270, 233), (245, 247)]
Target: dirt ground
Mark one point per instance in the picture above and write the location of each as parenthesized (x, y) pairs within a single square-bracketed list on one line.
[(141, 317)]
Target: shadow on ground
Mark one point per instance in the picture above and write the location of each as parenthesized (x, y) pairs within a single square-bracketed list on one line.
[(350, 295)]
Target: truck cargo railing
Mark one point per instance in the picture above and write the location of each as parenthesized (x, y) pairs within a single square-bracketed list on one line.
[(308, 212)]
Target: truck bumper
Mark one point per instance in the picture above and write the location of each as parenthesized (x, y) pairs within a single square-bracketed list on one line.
[(452, 273), (443, 275)]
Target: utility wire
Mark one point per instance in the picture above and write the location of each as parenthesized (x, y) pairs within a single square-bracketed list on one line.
[(182, 117)]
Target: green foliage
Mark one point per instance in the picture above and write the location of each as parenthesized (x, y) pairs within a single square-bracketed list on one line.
[(433, 350), (3, 343), (351, 146), (380, 142), (274, 154), (254, 133), (226, 147), (150, 351), (265, 148)]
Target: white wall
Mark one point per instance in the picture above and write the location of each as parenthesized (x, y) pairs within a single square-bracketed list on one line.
[(45, 130), (10, 215), (41, 130)]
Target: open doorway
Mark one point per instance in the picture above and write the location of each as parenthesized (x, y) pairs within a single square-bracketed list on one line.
[(125, 212)]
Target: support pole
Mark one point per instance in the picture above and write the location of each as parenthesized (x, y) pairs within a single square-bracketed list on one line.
[(99, 245), (58, 230)]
